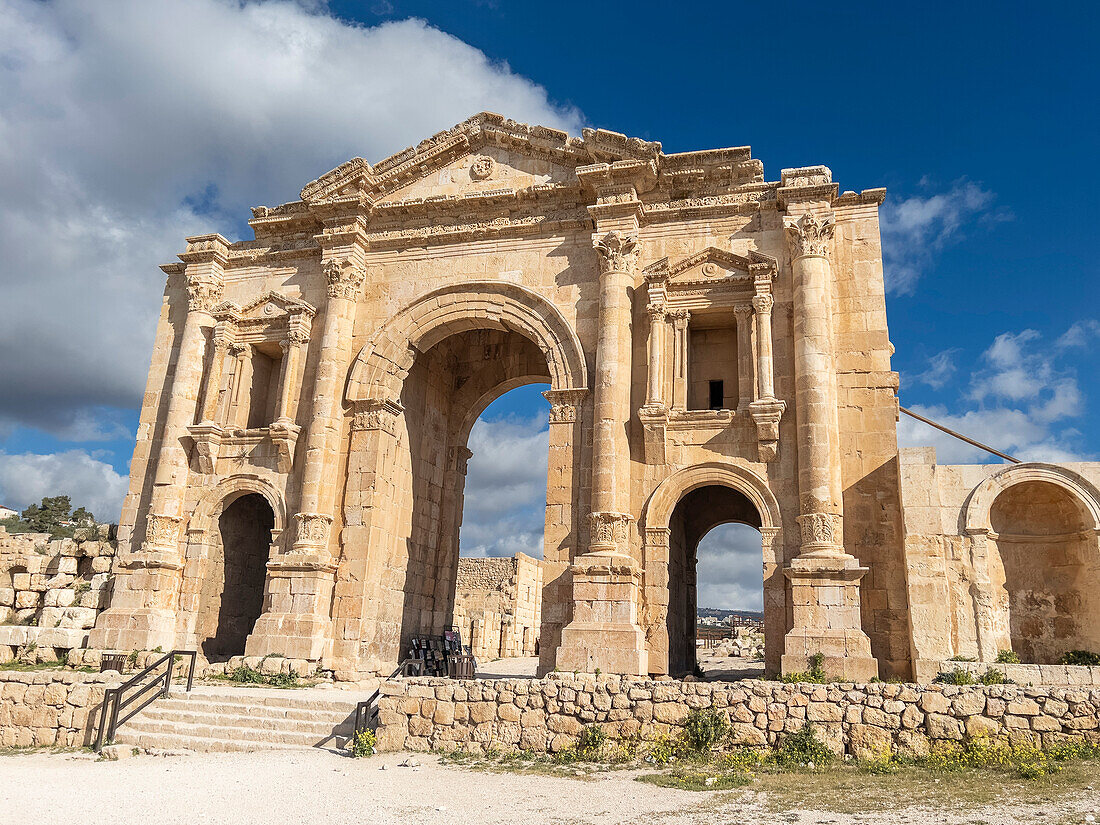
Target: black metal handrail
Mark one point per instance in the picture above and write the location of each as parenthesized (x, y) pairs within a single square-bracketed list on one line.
[(366, 712), (113, 700)]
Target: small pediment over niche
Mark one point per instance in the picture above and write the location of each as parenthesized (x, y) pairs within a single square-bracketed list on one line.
[(710, 264), (269, 306)]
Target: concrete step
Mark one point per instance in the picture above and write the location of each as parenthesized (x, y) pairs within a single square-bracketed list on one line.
[(201, 744), (315, 722), (300, 714)]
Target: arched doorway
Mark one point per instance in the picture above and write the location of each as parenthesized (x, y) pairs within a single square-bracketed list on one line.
[(233, 583), (1045, 571), (695, 515)]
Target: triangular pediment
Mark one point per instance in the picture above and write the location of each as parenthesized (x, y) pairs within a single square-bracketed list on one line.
[(270, 305), (710, 264), (485, 153)]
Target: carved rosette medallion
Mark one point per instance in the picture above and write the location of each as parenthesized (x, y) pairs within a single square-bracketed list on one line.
[(810, 236), (821, 534), (482, 168), (377, 415), (564, 404), (609, 531), (162, 534), (312, 531), (618, 252), (203, 293), (344, 279)]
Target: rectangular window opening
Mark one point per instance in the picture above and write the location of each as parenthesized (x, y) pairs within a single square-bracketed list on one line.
[(717, 394)]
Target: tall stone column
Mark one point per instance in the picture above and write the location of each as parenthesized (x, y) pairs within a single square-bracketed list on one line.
[(824, 578), (143, 607), (605, 632), (296, 622)]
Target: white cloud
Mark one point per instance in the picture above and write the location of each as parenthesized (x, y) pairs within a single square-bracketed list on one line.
[(505, 495), (915, 228), (1080, 334), (730, 573), (27, 478), (1025, 398), (125, 125), (941, 369)]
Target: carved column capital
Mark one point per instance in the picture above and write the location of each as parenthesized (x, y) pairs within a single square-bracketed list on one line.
[(742, 310), (294, 338), (564, 404), (458, 459), (618, 252), (680, 318), (345, 279), (162, 533), (762, 304), (810, 236), (203, 293), (609, 532), (656, 312), (311, 531)]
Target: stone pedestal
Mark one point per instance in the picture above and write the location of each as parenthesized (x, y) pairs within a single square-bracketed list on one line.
[(295, 622), (604, 632), (825, 601)]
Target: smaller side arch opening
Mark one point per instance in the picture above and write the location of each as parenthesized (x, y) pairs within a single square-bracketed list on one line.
[(232, 594), (1046, 571), (695, 516)]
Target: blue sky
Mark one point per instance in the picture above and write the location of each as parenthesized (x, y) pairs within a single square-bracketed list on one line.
[(980, 119)]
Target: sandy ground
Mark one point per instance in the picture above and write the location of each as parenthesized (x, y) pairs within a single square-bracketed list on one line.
[(319, 786)]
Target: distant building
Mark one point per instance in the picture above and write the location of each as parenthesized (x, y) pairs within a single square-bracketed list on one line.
[(7, 512)]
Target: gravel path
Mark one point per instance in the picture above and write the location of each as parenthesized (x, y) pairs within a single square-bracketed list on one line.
[(322, 787)]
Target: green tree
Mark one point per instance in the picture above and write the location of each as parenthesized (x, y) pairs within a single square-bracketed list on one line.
[(82, 518), (47, 516)]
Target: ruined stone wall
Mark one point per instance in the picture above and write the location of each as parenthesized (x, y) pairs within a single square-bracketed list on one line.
[(49, 709), (51, 590), (999, 557), (867, 720), (498, 605)]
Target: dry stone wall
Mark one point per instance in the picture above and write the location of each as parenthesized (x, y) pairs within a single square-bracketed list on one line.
[(865, 720), (49, 708), (498, 605), (51, 590)]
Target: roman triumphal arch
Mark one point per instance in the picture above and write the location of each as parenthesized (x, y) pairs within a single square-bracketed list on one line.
[(716, 348)]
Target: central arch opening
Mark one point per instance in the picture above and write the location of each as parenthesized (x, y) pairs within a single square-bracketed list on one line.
[(712, 532), (232, 594), (448, 387)]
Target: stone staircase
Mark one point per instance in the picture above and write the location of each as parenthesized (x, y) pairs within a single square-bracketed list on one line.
[(243, 719)]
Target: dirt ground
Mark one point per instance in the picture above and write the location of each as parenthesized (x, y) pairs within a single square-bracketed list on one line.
[(319, 786)]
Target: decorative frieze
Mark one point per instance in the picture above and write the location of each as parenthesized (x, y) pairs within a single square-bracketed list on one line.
[(376, 415), (162, 533)]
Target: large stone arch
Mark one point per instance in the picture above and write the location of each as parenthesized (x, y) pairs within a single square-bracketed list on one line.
[(980, 501), (657, 517), (664, 499), (385, 360), (226, 491)]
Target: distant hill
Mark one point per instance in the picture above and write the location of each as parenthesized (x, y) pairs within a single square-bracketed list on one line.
[(718, 613)]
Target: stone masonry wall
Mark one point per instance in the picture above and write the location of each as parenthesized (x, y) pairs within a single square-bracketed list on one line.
[(48, 709), (865, 720), (498, 605), (51, 590)]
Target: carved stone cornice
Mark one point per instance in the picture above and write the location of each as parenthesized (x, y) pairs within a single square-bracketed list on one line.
[(618, 252), (810, 236), (206, 249), (375, 414), (284, 435), (766, 414), (207, 438), (564, 404), (345, 279)]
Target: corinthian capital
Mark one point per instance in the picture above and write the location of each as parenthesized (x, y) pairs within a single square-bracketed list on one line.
[(810, 236), (344, 278), (203, 293), (618, 252), (762, 303)]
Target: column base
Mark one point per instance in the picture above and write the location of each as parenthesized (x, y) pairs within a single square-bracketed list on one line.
[(134, 629), (825, 602), (604, 633)]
